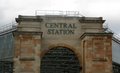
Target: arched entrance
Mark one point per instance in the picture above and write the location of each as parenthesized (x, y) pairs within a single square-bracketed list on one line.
[(60, 60)]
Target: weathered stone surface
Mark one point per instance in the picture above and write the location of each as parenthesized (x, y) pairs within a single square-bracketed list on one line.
[(36, 36), (27, 53), (97, 52)]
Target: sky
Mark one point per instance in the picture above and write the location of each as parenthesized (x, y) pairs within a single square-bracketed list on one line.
[(108, 9)]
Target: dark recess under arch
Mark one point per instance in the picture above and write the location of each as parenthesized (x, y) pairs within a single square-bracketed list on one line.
[(60, 60)]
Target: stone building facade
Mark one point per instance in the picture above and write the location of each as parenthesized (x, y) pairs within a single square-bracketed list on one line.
[(62, 44)]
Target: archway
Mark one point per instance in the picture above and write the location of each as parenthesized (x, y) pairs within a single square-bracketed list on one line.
[(60, 60)]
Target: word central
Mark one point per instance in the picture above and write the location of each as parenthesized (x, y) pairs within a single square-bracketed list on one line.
[(60, 25), (60, 28)]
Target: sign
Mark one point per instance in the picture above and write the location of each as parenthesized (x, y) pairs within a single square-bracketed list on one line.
[(60, 28)]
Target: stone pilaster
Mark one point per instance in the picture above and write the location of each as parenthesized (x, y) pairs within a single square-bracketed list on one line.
[(27, 45), (97, 52), (27, 52)]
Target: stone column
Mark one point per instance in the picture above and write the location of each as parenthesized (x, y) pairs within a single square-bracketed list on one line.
[(97, 52), (27, 45), (27, 52)]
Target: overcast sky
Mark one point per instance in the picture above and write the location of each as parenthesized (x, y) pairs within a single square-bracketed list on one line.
[(108, 9)]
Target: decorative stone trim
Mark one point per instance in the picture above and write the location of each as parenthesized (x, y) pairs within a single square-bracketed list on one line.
[(94, 34), (90, 20), (27, 59), (28, 33), (21, 18)]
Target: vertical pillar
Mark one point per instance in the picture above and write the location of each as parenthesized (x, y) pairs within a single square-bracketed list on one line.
[(97, 52), (27, 52), (27, 45)]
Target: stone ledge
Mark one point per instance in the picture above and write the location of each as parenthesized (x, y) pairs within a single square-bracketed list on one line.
[(25, 18), (95, 34), (100, 60), (24, 32), (91, 20), (27, 59)]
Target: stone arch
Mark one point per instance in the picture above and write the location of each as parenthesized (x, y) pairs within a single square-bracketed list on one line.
[(72, 58), (43, 52)]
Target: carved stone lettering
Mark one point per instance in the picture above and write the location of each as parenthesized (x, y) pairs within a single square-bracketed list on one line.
[(60, 28)]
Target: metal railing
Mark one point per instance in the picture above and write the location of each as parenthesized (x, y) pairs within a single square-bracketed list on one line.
[(116, 37), (8, 28), (57, 12)]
